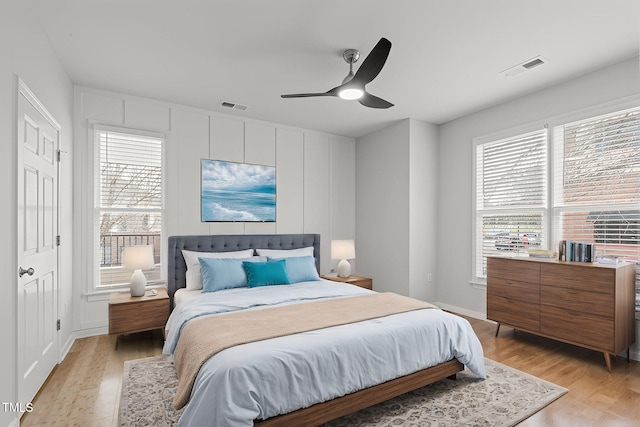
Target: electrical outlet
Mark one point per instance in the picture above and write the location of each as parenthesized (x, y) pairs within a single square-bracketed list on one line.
[(429, 277)]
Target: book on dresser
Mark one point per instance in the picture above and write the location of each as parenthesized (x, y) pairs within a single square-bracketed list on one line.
[(576, 251), (585, 304)]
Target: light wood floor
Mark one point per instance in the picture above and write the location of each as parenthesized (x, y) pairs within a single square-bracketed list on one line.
[(84, 389)]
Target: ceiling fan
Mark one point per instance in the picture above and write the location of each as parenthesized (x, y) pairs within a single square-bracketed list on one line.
[(353, 86)]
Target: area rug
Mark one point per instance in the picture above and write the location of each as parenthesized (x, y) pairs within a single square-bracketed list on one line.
[(505, 398)]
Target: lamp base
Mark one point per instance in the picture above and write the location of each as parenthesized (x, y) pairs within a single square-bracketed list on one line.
[(138, 284), (344, 268)]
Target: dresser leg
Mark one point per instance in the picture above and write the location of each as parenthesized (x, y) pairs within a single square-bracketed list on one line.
[(607, 359), (497, 329)]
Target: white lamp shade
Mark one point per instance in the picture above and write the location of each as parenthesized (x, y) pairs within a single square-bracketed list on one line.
[(343, 249), (138, 257)]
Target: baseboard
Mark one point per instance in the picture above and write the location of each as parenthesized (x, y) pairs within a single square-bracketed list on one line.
[(91, 332), (463, 311), (66, 347)]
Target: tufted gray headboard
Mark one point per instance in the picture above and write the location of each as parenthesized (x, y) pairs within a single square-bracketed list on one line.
[(177, 268)]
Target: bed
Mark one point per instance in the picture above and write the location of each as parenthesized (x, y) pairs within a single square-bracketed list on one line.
[(312, 376)]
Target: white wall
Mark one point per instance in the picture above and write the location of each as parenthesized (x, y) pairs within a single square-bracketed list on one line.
[(455, 173), (382, 200), (315, 178), (25, 52), (423, 226), (396, 169)]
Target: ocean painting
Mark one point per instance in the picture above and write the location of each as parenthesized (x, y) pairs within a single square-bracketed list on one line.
[(237, 192)]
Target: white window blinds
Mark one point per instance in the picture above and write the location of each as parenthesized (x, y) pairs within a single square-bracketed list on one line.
[(597, 183), (511, 184), (128, 200)]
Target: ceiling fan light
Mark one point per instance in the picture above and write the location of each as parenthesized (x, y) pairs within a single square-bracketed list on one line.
[(351, 93)]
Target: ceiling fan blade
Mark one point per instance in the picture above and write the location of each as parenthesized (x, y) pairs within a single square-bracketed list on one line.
[(373, 63), (304, 95), (330, 92), (373, 101)]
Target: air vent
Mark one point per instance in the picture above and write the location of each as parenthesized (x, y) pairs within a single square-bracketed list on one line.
[(233, 105), (525, 66), (533, 63)]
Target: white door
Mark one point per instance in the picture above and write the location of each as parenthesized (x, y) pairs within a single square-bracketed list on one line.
[(37, 214)]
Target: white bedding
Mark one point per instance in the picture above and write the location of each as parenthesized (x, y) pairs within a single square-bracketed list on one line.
[(271, 377), (182, 295)]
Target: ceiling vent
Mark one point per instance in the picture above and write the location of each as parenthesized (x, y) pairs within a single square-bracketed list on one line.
[(525, 66), (233, 105)]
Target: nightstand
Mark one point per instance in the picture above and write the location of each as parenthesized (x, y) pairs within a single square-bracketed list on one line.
[(363, 282), (129, 314)]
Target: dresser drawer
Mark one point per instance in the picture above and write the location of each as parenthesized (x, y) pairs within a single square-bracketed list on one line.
[(511, 289), (514, 312), (580, 328), (584, 278), (512, 269), (596, 303)]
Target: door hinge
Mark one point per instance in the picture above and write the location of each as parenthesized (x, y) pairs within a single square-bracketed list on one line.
[(58, 240), (59, 155), (58, 325)]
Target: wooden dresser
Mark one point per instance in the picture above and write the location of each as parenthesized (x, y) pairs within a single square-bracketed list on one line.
[(590, 305)]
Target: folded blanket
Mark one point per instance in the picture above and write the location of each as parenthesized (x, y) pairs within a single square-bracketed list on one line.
[(203, 337)]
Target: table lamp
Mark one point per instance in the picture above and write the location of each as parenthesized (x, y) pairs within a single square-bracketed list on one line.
[(343, 250), (138, 258)]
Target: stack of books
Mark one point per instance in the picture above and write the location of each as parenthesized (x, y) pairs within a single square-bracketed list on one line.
[(576, 251), (609, 259), (541, 253)]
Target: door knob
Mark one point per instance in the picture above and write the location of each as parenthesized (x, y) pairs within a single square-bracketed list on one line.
[(22, 271)]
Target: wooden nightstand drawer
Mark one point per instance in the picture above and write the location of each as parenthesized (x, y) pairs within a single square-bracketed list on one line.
[(363, 282), (129, 314)]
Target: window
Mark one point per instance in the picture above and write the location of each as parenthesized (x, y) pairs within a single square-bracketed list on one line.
[(597, 183), (595, 196), (597, 191), (511, 195), (128, 206)]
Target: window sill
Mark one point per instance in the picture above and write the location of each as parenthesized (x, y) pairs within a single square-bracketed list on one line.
[(478, 284)]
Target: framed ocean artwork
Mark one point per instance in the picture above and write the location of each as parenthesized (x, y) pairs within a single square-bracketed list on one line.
[(237, 192)]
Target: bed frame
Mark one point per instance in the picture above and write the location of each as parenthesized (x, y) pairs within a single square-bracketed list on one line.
[(321, 412)]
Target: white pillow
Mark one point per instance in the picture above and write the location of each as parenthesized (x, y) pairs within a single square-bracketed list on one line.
[(194, 276), (286, 253)]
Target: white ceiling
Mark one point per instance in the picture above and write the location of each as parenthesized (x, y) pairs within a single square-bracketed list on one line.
[(445, 62)]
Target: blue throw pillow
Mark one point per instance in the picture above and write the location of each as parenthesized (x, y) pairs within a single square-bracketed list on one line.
[(300, 269), (224, 273), (266, 273)]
